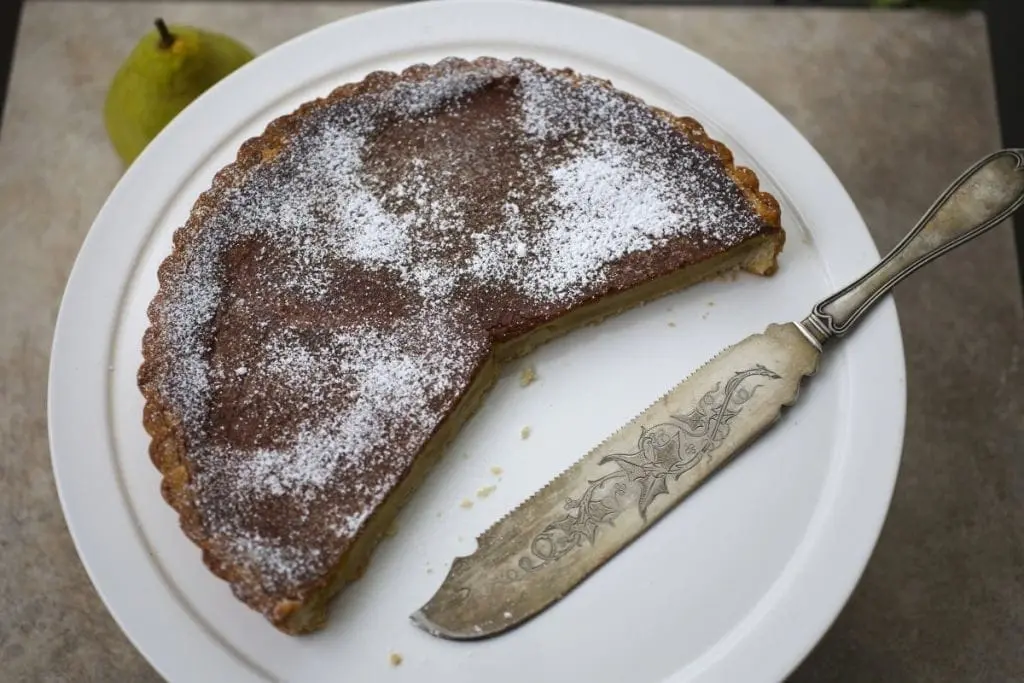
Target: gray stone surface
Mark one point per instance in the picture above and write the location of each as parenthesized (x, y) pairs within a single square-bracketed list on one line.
[(898, 104)]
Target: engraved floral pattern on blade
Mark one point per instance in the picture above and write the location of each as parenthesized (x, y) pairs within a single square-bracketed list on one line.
[(663, 452)]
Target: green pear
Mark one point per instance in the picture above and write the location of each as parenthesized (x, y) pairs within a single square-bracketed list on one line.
[(166, 71)]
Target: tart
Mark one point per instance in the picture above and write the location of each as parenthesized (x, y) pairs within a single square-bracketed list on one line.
[(341, 298)]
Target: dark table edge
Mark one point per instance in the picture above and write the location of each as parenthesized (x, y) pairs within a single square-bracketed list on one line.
[(10, 19), (1005, 20)]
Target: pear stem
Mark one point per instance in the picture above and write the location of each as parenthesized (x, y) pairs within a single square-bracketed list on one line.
[(166, 37)]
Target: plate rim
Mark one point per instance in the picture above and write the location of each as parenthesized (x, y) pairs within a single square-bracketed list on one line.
[(68, 379)]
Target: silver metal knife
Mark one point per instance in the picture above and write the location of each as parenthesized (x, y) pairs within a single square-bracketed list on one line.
[(541, 550)]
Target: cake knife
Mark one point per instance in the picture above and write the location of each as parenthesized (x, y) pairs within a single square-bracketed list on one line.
[(546, 546)]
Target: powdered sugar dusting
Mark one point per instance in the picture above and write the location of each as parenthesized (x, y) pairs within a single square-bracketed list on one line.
[(605, 203), (391, 384), (389, 377), (545, 115), (337, 301)]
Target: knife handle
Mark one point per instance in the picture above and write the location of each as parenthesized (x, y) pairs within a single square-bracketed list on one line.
[(984, 196)]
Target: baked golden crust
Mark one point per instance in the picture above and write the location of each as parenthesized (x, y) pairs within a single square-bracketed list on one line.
[(291, 612)]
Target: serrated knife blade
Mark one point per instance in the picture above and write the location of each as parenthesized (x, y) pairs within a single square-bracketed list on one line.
[(546, 546)]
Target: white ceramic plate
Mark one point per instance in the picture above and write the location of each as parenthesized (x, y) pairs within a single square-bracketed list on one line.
[(735, 585)]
